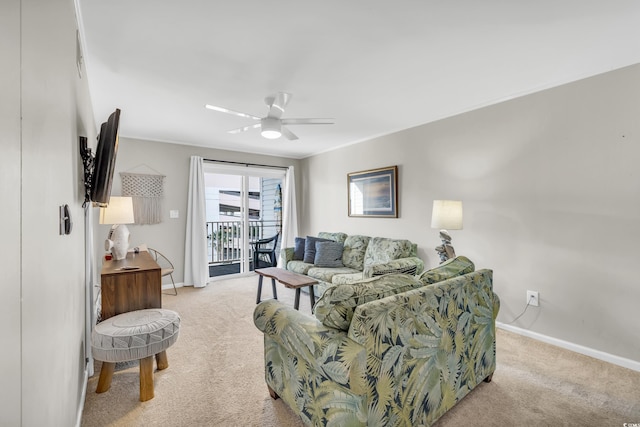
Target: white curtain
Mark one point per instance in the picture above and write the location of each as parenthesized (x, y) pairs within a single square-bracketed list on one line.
[(289, 213), (196, 270)]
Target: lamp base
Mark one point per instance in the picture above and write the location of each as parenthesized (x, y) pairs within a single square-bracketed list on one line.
[(118, 241), (445, 250)]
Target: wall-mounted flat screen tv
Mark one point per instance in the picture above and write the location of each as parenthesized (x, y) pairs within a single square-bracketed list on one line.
[(105, 160)]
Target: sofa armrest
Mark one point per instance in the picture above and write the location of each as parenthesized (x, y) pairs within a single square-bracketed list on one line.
[(287, 255), (326, 350), (394, 266)]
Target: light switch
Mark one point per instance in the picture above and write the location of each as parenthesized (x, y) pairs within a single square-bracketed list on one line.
[(174, 214)]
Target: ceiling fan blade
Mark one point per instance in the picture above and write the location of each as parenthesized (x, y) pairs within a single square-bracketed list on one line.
[(277, 103), (235, 113), (288, 134), (308, 121), (245, 128)]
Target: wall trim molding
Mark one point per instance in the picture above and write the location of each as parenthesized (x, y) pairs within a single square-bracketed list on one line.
[(83, 396), (587, 351)]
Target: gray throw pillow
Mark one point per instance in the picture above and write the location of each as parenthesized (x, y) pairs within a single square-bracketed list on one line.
[(328, 254), (298, 250), (310, 248)]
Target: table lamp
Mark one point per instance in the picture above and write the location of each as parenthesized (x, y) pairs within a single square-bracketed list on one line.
[(446, 215), (118, 212)]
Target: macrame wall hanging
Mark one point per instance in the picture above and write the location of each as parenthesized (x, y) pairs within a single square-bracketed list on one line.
[(147, 192)]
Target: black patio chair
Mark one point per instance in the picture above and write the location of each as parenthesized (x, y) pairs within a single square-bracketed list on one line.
[(264, 252)]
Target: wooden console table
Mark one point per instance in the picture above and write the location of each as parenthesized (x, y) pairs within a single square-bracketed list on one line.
[(125, 288)]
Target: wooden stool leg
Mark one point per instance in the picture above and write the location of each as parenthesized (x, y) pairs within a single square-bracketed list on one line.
[(162, 361), (146, 379), (106, 373)]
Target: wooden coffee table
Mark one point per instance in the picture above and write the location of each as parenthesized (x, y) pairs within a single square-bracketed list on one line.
[(290, 280)]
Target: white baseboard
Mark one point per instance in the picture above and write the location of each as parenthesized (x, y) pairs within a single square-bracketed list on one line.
[(596, 354)]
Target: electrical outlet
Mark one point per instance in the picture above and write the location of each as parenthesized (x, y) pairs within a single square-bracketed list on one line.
[(532, 298)]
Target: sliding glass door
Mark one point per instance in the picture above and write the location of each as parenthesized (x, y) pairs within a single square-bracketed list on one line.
[(243, 204)]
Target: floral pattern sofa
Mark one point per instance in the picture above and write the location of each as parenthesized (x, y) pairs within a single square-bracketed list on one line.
[(394, 350), (363, 257)]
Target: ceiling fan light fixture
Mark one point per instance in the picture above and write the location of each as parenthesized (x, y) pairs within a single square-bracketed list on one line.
[(270, 128)]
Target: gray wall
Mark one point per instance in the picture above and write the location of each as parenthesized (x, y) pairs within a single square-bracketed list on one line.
[(171, 160), (551, 194), (43, 108)]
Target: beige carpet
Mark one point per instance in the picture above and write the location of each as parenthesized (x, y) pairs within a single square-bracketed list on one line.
[(216, 377)]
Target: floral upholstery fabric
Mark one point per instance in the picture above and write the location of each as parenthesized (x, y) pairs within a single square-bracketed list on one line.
[(354, 250), (396, 265), (405, 360), (354, 256), (336, 237), (450, 268), (318, 371), (299, 267), (326, 273), (347, 279), (427, 370), (287, 255), (335, 308), (382, 250)]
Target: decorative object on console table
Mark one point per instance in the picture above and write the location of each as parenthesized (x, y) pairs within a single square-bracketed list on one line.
[(373, 193), (446, 215), (118, 212)]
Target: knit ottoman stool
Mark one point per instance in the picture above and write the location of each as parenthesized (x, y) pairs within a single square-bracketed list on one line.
[(135, 335)]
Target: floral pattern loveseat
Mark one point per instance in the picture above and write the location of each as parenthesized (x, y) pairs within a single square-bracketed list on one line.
[(395, 350), (362, 257)]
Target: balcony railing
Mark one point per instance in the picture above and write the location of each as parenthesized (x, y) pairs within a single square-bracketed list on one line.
[(224, 239)]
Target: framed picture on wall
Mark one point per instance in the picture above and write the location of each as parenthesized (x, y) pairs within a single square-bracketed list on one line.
[(373, 193)]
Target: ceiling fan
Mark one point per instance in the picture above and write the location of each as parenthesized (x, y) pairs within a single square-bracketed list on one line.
[(272, 126)]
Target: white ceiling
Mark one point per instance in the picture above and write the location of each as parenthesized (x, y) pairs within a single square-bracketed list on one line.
[(374, 66)]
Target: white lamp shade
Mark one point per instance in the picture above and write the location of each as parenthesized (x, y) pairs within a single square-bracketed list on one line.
[(447, 214), (118, 211)]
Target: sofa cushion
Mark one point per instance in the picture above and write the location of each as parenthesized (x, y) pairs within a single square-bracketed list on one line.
[(299, 267), (326, 274), (453, 267), (310, 248), (336, 237), (354, 249), (381, 250), (298, 249), (336, 306), (328, 254)]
